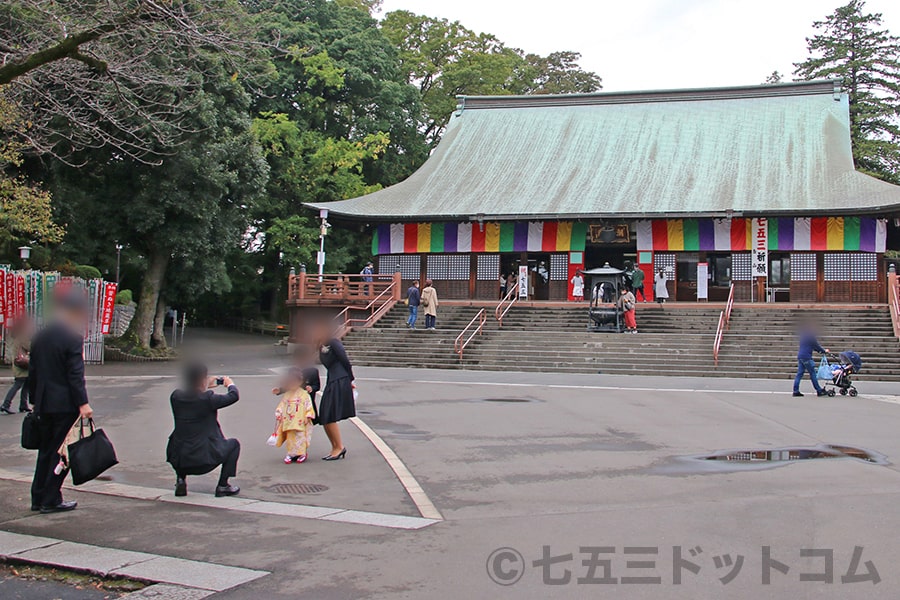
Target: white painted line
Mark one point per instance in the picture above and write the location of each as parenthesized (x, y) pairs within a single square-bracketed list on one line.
[(290, 510), (251, 505), (426, 508), (112, 561), (360, 517), (165, 591)]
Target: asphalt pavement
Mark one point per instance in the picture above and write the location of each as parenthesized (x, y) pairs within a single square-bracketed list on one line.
[(550, 486)]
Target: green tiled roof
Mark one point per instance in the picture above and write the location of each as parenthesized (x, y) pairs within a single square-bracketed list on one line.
[(759, 150)]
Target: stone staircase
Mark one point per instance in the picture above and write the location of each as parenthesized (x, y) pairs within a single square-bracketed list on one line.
[(764, 339), (672, 341), (390, 344)]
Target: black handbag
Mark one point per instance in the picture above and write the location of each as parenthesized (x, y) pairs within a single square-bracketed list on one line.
[(31, 431), (90, 456)]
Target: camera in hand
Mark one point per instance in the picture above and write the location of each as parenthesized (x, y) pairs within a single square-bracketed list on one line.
[(220, 381)]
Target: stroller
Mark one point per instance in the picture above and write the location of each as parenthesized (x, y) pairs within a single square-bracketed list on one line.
[(842, 374)]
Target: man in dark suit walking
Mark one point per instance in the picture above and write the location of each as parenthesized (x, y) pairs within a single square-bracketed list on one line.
[(57, 390), (197, 445)]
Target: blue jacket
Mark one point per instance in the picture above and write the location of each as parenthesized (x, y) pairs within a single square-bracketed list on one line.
[(808, 343), (414, 296)]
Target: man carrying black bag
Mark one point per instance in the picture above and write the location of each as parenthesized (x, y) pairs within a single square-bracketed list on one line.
[(57, 390)]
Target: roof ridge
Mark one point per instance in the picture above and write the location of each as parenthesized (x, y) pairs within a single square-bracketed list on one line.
[(793, 88)]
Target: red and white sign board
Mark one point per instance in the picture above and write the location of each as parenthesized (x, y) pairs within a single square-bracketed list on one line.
[(108, 307)]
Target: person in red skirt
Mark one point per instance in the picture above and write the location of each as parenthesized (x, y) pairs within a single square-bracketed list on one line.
[(627, 306)]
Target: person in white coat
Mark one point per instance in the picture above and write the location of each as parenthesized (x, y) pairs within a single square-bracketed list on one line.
[(660, 290)]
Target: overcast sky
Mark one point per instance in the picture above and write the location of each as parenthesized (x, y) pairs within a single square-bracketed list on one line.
[(652, 44)]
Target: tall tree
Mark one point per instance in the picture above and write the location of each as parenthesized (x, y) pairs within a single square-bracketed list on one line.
[(853, 47), (87, 74), (180, 217), (445, 59), (337, 120)]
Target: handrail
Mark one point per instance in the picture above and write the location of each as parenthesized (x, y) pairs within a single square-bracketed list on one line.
[(724, 323), (894, 301), (344, 316), (720, 331), (729, 306), (511, 297), (459, 345)]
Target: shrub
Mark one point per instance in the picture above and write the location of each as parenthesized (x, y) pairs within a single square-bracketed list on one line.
[(88, 272), (124, 297)]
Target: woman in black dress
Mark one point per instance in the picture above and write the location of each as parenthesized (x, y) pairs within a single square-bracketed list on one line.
[(337, 397)]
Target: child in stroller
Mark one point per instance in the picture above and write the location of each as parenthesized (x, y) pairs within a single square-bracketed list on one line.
[(841, 374)]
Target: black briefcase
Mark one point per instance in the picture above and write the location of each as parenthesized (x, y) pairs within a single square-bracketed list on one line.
[(31, 431), (91, 455)]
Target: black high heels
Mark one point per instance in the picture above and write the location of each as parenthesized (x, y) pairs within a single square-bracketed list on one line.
[(338, 456)]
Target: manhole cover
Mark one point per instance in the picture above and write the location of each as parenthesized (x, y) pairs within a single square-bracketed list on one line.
[(507, 400), (298, 488)]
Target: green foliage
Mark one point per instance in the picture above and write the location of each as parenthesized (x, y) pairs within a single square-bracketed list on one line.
[(368, 6), (124, 297), (445, 59), (180, 218), (852, 47), (25, 209), (88, 272), (344, 108)]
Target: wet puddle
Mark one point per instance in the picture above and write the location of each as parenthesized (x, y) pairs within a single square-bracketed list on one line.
[(755, 459)]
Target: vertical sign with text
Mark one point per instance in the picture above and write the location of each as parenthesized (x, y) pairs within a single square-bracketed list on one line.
[(760, 248), (109, 305), (523, 281)]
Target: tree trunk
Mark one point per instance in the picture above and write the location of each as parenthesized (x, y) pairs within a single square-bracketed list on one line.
[(158, 337), (141, 326)]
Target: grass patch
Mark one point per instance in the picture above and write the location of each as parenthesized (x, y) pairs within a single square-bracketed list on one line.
[(129, 345), (114, 587)]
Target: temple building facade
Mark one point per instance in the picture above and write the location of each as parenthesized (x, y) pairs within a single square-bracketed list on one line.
[(753, 186)]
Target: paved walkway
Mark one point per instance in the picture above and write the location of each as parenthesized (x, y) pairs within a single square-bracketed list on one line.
[(533, 474)]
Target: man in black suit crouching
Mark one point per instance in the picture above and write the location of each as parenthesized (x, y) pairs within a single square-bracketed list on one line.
[(197, 445), (56, 386)]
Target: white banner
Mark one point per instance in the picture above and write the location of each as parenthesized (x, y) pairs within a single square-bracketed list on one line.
[(760, 250), (702, 281), (523, 281)]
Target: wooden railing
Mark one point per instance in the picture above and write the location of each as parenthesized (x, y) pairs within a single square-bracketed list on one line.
[(341, 288), (459, 345), (724, 322), (506, 303), (378, 307), (894, 301)]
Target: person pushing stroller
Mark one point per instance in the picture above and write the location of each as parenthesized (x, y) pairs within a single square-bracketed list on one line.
[(805, 363)]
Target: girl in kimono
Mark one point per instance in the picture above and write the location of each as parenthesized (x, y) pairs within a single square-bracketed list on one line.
[(294, 417)]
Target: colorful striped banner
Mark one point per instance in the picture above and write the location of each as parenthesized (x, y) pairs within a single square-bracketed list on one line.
[(660, 236), (492, 237), (690, 235), (784, 234), (548, 243), (508, 236), (423, 239), (675, 234)]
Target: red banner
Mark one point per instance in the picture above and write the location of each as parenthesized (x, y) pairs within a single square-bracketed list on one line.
[(3, 297), (108, 307), (20, 296), (10, 308)]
